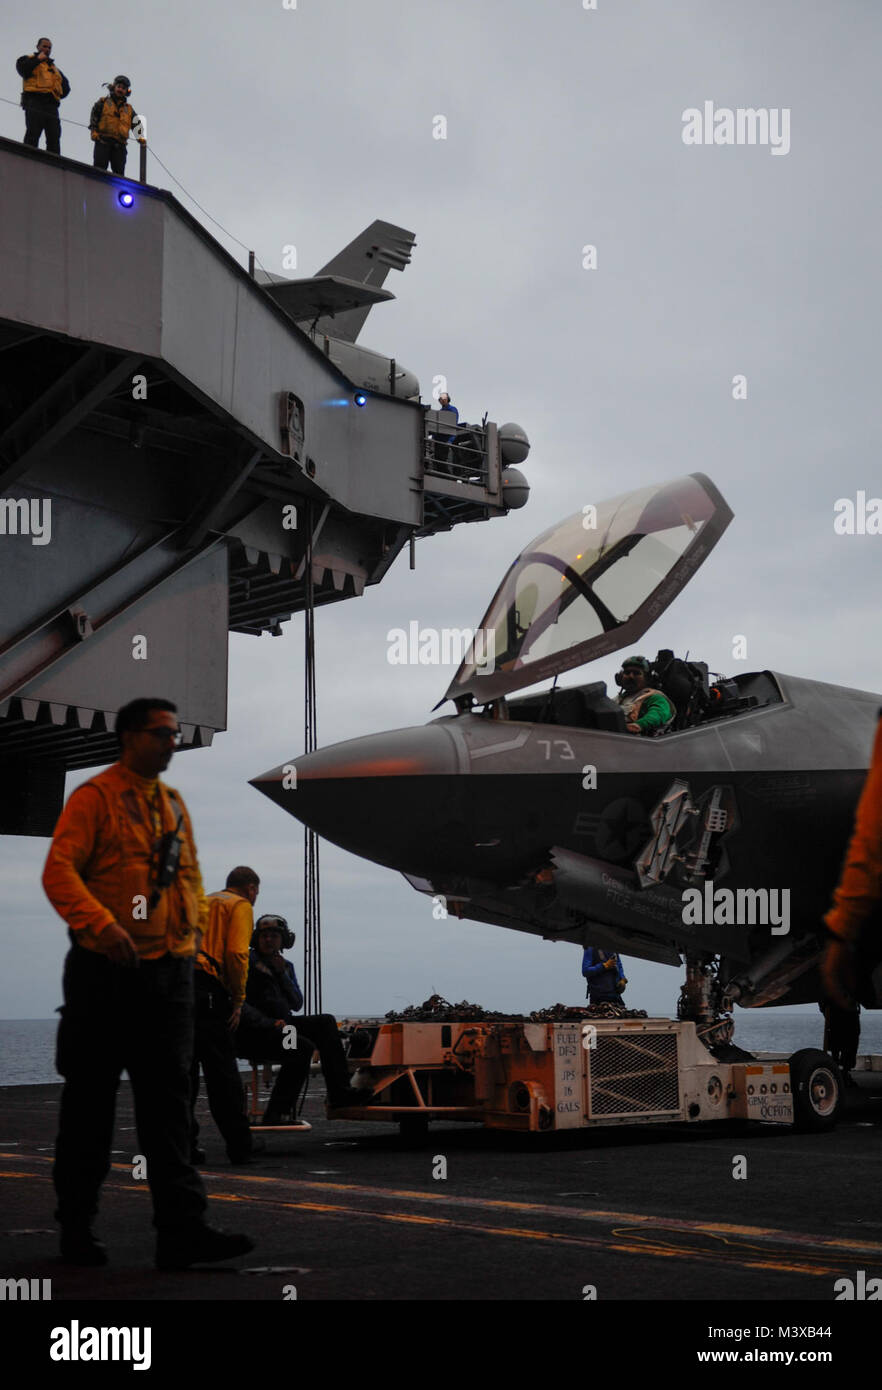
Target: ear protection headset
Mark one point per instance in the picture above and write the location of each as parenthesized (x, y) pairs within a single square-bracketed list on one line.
[(637, 663), (271, 921)]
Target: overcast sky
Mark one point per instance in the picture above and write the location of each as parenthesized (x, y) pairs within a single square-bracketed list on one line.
[(564, 129)]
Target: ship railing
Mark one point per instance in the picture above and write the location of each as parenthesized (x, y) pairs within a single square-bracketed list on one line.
[(456, 449)]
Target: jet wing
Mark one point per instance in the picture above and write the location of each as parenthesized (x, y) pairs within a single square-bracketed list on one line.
[(592, 584)]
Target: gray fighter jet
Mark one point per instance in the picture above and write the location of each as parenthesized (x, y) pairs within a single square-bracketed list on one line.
[(719, 840)]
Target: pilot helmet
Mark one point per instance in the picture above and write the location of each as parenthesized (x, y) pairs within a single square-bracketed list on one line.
[(271, 921)]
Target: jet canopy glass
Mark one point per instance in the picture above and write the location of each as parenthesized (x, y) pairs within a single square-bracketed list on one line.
[(592, 584)]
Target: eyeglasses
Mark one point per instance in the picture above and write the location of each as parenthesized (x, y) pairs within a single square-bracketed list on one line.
[(160, 731)]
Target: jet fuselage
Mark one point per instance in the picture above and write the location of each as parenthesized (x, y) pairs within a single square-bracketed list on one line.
[(545, 827)]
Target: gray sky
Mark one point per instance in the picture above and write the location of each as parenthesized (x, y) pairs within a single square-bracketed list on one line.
[(564, 129)]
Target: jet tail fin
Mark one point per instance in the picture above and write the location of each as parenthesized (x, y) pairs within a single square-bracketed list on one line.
[(367, 260)]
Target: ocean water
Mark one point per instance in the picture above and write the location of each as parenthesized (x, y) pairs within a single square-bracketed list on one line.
[(27, 1045)]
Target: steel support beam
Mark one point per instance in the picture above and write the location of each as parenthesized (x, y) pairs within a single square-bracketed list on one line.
[(59, 409), (33, 652), (212, 508)]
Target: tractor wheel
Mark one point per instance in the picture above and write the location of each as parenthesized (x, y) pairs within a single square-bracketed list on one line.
[(817, 1090)]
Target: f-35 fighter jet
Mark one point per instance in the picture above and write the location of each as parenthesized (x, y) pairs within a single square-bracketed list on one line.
[(719, 839)]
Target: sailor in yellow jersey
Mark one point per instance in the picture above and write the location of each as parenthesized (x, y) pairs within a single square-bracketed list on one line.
[(110, 123), (123, 873), (43, 88), (221, 973)]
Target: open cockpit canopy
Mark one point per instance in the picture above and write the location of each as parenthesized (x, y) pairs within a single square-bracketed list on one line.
[(591, 585)]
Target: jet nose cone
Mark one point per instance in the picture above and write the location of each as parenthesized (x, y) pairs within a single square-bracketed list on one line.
[(375, 796)]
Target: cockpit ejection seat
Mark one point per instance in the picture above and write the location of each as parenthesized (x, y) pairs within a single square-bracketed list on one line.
[(685, 683)]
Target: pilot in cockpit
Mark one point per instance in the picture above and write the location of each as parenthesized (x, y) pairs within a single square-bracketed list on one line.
[(647, 710)]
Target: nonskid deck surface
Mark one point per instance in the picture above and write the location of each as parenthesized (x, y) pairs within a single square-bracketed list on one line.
[(349, 1211)]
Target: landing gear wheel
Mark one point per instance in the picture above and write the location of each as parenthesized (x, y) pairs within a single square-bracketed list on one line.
[(817, 1090), (413, 1128)]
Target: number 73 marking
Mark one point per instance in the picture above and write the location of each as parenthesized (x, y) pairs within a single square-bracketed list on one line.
[(566, 751)]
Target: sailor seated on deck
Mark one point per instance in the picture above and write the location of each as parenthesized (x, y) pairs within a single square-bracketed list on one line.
[(647, 710), (272, 996)]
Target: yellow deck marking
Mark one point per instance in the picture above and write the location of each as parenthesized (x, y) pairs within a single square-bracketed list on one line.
[(585, 1214), (612, 1244), (648, 1239)]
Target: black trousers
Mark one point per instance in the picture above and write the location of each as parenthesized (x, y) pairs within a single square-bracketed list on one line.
[(43, 118), (601, 993), (314, 1032), (214, 1049), (110, 152), (845, 1035), (137, 1018)]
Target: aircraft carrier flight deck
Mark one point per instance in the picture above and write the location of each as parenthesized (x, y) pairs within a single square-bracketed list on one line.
[(350, 1211)]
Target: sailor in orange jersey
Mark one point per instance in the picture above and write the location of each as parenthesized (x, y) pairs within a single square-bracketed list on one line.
[(123, 873), (853, 920)]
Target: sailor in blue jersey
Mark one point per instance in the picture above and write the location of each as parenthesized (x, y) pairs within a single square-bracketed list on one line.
[(605, 976)]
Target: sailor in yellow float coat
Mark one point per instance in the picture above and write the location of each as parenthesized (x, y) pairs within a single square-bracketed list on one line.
[(219, 983), (110, 124), (43, 87)]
